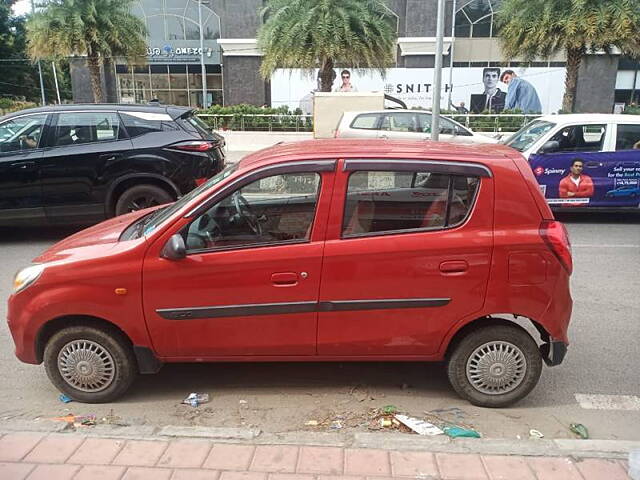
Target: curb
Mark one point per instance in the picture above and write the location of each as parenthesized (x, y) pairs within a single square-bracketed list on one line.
[(618, 449)]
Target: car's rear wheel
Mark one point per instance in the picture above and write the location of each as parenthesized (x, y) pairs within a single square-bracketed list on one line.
[(495, 366), (139, 197), (89, 364)]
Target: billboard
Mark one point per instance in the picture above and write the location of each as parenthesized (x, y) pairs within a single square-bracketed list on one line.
[(478, 88)]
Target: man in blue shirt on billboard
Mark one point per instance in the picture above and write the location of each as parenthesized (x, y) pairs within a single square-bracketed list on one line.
[(521, 95)]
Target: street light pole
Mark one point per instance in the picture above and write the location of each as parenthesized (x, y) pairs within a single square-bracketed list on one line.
[(451, 50), (437, 82), (55, 79), (202, 67)]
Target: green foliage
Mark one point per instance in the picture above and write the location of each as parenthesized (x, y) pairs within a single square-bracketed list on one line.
[(533, 29), (8, 105), (312, 33), (86, 27), (632, 110), (252, 117)]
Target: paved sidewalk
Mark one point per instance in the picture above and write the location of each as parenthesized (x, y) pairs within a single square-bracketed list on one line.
[(53, 456)]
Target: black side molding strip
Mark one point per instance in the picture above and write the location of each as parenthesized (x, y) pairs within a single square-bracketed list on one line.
[(350, 305), (237, 310), (296, 307)]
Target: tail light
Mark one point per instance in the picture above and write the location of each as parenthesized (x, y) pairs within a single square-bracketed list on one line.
[(556, 237), (195, 145)]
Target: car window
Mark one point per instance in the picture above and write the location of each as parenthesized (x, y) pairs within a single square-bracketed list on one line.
[(401, 122), (139, 124), (383, 202), (365, 121), (272, 210), (22, 133), (580, 138), (628, 137), (447, 127), (74, 128)]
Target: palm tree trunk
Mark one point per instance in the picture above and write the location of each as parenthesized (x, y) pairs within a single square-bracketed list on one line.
[(326, 75), (574, 58), (93, 62)]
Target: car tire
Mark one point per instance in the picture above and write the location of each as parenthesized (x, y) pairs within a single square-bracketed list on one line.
[(495, 366), (90, 365), (139, 197)]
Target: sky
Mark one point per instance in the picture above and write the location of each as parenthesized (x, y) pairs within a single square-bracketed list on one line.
[(21, 7)]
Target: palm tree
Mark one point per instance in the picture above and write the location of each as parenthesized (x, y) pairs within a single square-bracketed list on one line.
[(99, 29), (322, 33), (541, 28)]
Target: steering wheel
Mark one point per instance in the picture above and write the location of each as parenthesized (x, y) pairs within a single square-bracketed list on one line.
[(244, 211)]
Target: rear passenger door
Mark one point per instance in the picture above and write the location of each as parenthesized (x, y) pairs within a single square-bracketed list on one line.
[(624, 167), (83, 148), (407, 255)]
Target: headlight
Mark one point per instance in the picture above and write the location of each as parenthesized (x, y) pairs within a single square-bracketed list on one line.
[(26, 277)]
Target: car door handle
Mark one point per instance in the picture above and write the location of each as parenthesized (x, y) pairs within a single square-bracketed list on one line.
[(454, 266), (284, 279), (23, 165), (107, 158)]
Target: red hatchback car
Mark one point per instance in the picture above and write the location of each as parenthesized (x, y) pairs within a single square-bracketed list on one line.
[(330, 250)]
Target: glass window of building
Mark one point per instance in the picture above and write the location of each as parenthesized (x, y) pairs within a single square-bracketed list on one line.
[(474, 18)]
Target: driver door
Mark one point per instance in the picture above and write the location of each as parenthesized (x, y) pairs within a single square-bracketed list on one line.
[(250, 282), (21, 153)]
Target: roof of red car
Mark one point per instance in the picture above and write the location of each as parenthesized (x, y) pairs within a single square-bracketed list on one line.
[(376, 148)]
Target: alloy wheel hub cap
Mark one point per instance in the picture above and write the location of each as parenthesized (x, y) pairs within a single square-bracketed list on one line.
[(86, 366), (496, 368)]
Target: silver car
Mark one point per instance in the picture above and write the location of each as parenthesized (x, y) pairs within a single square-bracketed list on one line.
[(404, 124)]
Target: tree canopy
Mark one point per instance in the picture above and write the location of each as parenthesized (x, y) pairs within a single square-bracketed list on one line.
[(99, 29), (321, 34), (541, 28)]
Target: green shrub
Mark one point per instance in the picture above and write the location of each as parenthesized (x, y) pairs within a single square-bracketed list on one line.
[(249, 117)]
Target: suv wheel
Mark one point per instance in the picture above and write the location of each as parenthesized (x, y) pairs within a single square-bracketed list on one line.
[(89, 364), (495, 366), (140, 197)]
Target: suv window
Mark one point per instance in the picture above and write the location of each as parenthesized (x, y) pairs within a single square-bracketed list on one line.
[(86, 127), (272, 210), (447, 127), (400, 122), (628, 137), (379, 202), (581, 138), (366, 121), (137, 125), (22, 133)]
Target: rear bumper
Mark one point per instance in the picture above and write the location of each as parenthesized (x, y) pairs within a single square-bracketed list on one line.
[(553, 352)]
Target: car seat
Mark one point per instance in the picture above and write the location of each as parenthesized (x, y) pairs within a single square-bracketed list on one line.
[(361, 219)]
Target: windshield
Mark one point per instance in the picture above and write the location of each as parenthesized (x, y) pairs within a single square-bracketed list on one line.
[(164, 213), (529, 134)]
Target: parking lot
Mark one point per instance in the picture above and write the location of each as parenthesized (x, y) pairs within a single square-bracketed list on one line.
[(597, 385)]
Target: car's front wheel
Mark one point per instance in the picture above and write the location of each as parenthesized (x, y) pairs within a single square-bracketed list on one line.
[(139, 197), (495, 366), (89, 364)]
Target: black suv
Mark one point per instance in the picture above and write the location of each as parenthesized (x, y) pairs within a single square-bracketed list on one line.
[(79, 164)]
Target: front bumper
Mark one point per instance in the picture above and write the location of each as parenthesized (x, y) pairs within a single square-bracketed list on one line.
[(553, 352)]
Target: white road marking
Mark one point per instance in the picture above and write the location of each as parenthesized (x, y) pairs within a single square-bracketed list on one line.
[(608, 402), (604, 245)]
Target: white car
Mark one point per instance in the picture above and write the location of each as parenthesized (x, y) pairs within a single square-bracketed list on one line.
[(586, 160), (404, 124)]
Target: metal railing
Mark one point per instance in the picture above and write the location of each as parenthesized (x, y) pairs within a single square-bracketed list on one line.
[(496, 123), (482, 122), (259, 122)]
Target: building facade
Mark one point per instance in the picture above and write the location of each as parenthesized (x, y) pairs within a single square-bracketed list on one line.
[(172, 71)]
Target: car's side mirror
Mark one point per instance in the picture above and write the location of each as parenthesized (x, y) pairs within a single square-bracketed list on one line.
[(550, 147), (174, 249)]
